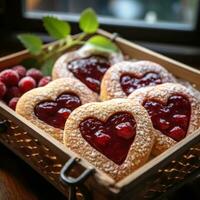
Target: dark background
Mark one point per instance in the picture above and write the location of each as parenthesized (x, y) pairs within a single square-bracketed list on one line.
[(181, 44)]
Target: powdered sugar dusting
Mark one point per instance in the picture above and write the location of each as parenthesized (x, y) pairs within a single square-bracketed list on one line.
[(140, 149), (60, 69), (29, 100), (111, 87), (162, 93)]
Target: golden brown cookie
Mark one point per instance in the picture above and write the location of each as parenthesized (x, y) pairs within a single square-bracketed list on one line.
[(48, 107), (123, 78), (116, 136), (174, 111), (87, 65)]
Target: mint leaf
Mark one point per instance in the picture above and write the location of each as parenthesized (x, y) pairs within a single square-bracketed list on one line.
[(56, 28), (102, 43), (88, 21), (32, 42), (47, 66)]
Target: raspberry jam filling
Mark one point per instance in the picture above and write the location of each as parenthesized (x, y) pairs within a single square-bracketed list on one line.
[(90, 70), (172, 118), (131, 82), (56, 112), (112, 138)]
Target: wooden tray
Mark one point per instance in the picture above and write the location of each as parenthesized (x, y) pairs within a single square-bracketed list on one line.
[(47, 156)]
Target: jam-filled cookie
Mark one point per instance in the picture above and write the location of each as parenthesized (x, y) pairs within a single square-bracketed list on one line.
[(86, 64), (116, 136), (123, 78), (48, 107), (174, 111)]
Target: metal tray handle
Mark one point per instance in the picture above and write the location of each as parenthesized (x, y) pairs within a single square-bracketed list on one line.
[(74, 183), (4, 125)]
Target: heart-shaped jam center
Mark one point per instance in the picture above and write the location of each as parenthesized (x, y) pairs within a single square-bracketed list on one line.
[(130, 82), (56, 112), (112, 138), (172, 118), (90, 70)]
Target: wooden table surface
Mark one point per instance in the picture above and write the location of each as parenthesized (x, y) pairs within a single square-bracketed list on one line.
[(18, 181)]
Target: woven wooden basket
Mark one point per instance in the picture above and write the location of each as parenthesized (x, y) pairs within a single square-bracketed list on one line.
[(47, 156)]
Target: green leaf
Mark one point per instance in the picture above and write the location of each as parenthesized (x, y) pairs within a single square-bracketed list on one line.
[(30, 63), (88, 21), (56, 28), (102, 43), (48, 66), (32, 42)]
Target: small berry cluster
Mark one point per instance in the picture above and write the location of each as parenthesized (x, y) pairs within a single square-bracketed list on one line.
[(16, 81)]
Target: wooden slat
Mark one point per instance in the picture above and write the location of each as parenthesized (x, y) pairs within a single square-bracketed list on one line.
[(177, 68), (63, 152), (160, 161), (18, 57), (13, 59)]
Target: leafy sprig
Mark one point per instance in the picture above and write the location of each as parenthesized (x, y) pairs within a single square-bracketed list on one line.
[(56, 28), (61, 31), (88, 22), (32, 42)]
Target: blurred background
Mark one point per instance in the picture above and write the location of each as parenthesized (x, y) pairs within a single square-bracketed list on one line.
[(182, 12), (171, 27)]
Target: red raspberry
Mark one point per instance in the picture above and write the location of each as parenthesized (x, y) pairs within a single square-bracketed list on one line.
[(180, 119), (163, 124), (44, 81), (35, 74), (26, 84), (20, 70), (125, 130), (13, 92), (61, 117), (102, 139), (177, 133), (2, 89), (13, 102), (63, 113), (9, 77)]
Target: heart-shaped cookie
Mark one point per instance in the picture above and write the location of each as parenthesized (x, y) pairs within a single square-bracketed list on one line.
[(56, 112), (116, 136), (118, 132), (123, 78), (87, 65), (49, 107), (174, 111)]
